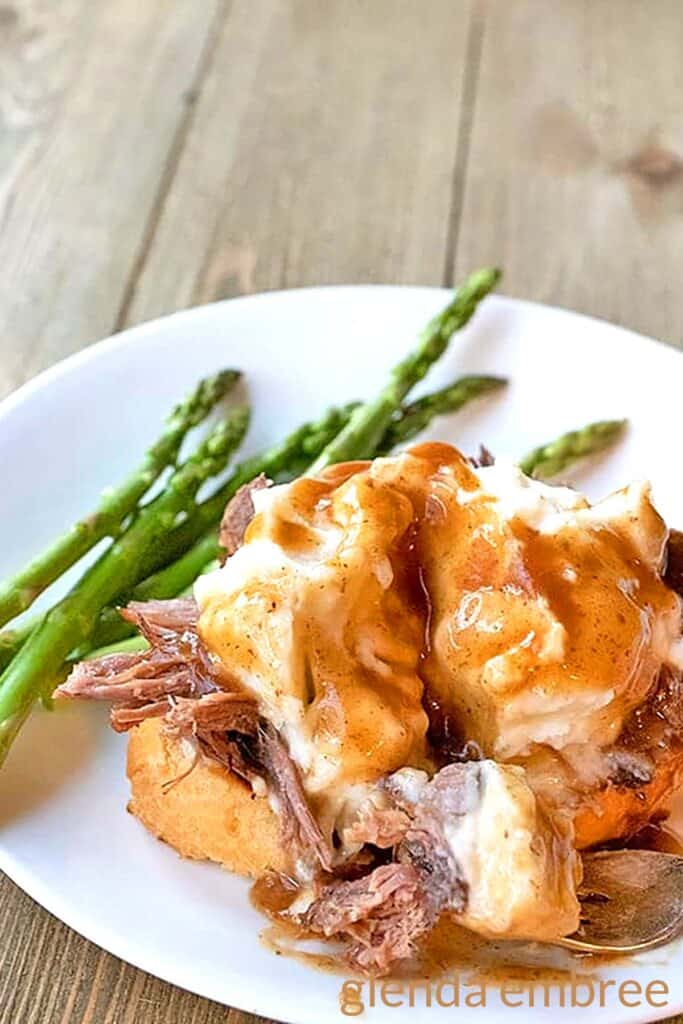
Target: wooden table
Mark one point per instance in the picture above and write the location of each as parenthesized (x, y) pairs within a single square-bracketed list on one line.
[(155, 154)]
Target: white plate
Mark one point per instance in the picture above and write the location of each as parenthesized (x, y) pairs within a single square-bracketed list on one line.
[(64, 834)]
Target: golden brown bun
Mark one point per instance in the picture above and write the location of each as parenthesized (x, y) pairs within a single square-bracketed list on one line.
[(212, 815), (619, 813), (208, 815)]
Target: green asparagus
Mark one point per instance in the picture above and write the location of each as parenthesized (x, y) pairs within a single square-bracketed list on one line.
[(177, 559), (12, 640), (177, 576), (20, 591), (365, 430), (412, 419), (69, 624), (281, 462), (284, 462), (548, 460), (172, 581)]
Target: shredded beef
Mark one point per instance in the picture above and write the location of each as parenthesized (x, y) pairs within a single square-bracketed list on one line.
[(381, 916), (300, 830), (230, 751), (342, 904), (141, 685), (674, 569), (484, 458), (221, 711), (171, 626), (222, 724), (177, 679), (127, 677), (238, 514), (161, 621), (656, 726), (452, 793), (383, 827), (125, 717), (380, 942)]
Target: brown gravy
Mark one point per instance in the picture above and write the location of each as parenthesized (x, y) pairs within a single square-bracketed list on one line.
[(448, 948), (606, 625), (272, 895), (660, 836)]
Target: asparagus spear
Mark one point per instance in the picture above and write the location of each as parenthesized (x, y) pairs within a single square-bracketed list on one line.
[(293, 457), (69, 624), (550, 459), (112, 637), (172, 581), (175, 562), (547, 460), (365, 430), (179, 575), (282, 462), (20, 591), (355, 431), (412, 419), (12, 640)]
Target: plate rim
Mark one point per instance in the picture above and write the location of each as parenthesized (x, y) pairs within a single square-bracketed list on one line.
[(111, 342), (67, 912)]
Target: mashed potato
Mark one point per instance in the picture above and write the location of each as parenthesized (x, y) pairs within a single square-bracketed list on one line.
[(532, 620)]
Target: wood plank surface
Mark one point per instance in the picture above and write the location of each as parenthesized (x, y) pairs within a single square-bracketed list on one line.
[(574, 180), (93, 99), (157, 154), (322, 150), (50, 975)]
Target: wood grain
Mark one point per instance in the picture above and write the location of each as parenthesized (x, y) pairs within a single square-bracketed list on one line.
[(50, 975), (323, 150), (92, 101), (155, 154), (574, 181)]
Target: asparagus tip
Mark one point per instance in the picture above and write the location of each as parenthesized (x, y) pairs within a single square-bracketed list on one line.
[(550, 459)]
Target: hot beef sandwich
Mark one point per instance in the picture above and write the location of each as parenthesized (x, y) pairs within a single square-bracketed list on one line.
[(416, 686)]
